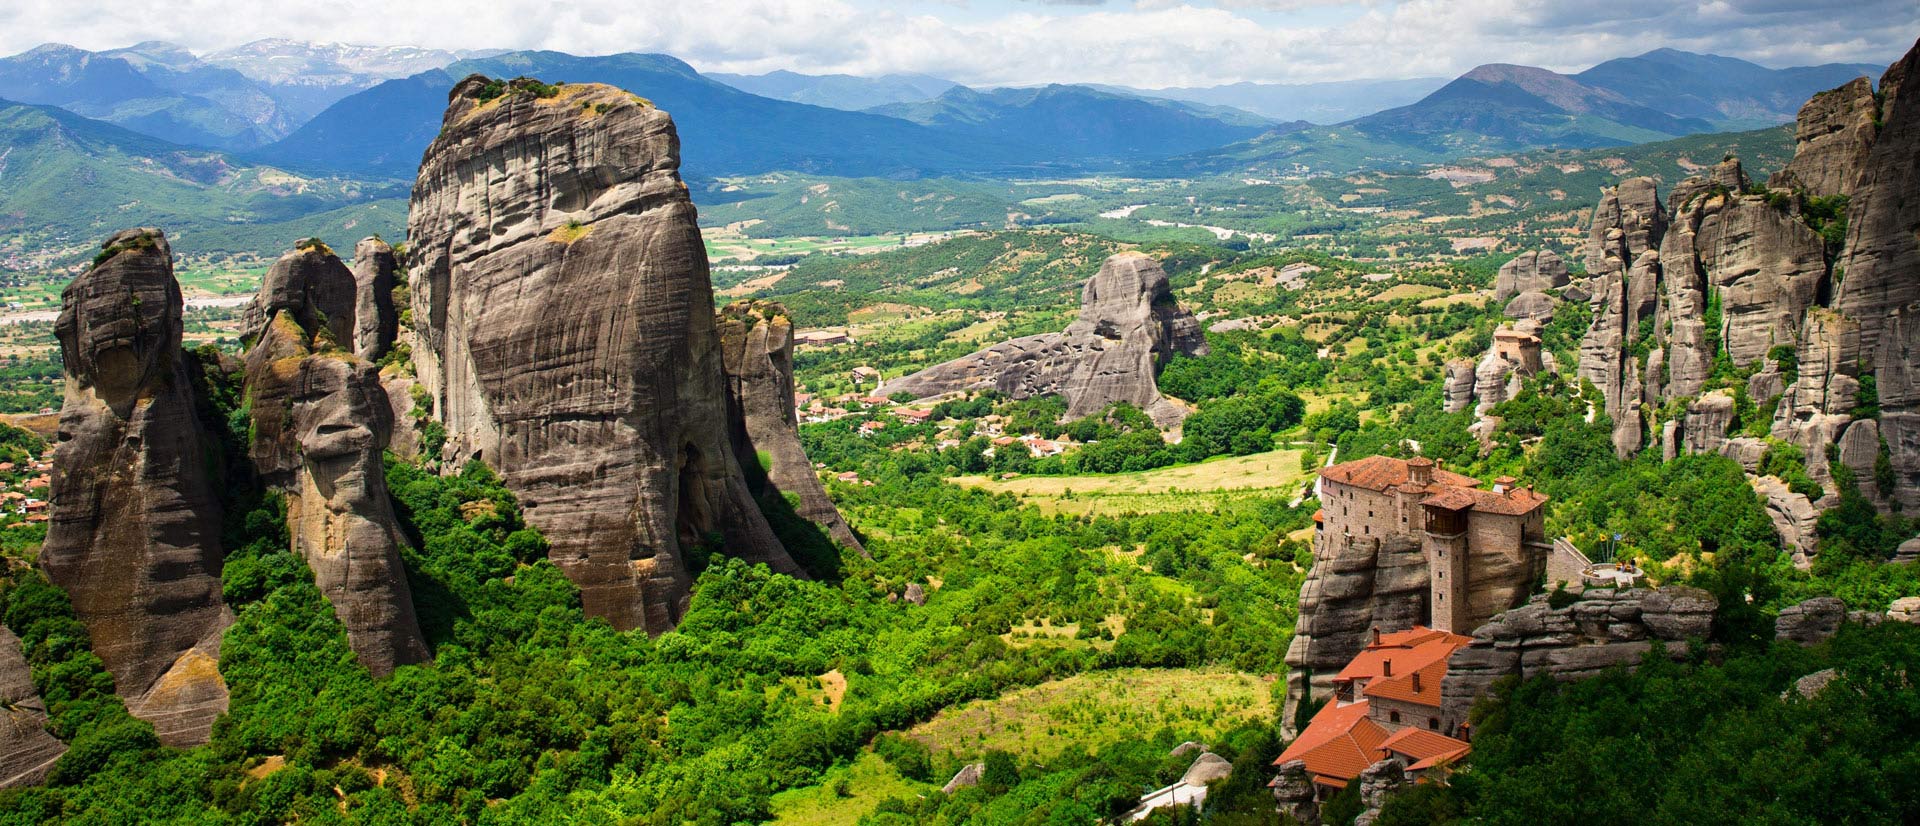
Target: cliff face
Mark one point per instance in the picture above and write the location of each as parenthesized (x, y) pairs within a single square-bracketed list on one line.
[(1347, 593), (566, 336), (27, 751), (1758, 258), (320, 420), (1129, 325), (757, 339), (135, 530)]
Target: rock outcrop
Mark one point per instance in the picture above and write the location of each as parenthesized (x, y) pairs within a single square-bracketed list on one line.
[(27, 751), (1622, 265), (1811, 622), (1832, 136), (375, 320), (135, 531), (1347, 593), (312, 285), (1377, 781), (1129, 325), (1602, 628), (1534, 271), (1793, 515), (320, 420), (757, 339), (1293, 790), (565, 335)]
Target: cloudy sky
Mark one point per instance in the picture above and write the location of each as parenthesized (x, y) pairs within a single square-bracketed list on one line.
[(1151, 43)]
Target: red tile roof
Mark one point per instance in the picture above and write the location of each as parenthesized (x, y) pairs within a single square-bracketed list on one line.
[(1383, 472), (1420, 746), (1428, 660), (1340, 743)]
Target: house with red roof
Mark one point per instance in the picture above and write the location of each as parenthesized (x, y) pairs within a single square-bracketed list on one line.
[(1386, 703)]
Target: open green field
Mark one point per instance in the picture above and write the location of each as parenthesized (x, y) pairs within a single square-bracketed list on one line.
[(866, 781), (1183, 487), (1095, 709)]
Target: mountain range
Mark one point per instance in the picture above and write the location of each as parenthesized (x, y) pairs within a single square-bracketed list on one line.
[(849, 92)]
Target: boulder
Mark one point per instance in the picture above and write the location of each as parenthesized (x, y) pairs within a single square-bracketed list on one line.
[(1376, 782), (566, 336), (1793, 516), (1532, 305), (320, 420), (27, 751), (1207, 768), (1129, 325), (1811, 622), (757, 341), (134, 536), (375, 320), (1811, 684), (1187, 747), (1905, 609), (968, 775), (914, 594)]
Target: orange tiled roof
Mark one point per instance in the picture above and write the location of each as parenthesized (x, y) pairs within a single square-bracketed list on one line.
[(1421, 746), (1428, 660), (1383, 472), (1340, 743)]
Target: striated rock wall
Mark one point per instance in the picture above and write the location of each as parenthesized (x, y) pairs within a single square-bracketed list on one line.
[(1832, 136), (320, 420), (757, 339), (135, 531), (1602, 628), (566, 336), (27, 751), (1129, 325), (1350, 589), (1533, 271)]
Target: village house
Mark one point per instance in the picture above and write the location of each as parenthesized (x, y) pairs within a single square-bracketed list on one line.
[(820, 338), (864, 375), (1484, 549), (1386, 703)]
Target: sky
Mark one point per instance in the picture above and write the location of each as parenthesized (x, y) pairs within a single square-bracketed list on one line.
[(1144, 43)]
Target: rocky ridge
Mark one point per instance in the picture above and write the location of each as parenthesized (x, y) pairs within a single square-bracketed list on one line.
[(27, 751), (1129, 324), (135, 532), (566, 336)]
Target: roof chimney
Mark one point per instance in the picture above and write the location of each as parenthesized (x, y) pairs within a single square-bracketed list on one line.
[(1386, 668), (1376, 635)]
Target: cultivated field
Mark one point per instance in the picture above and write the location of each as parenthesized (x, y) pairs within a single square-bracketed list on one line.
[(1184, 487)]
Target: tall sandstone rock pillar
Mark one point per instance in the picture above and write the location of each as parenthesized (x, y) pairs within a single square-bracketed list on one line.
[(757, 338), (320, 420), (135, 533), (566, 336)]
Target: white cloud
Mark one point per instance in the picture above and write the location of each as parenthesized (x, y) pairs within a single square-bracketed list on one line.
[(1144, 42)]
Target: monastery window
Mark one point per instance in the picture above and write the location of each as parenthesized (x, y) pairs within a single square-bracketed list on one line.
[(1433, 723), (1393, 716)]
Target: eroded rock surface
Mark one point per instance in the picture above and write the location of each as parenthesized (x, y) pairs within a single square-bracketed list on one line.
[(135, 531), (1811, 622), (1347, 593), (1534, 271), (757, 338), (1832, 136), (1129, 325), (565, 317), (1602, 628), (320, 421), (27, 751)]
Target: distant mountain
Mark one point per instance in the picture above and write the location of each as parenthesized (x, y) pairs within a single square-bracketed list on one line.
[(309, 77), (725, 131), (1331, 102), (839, 91), (1081, 121), (1727, 92), (67, 180), (1501, 107), (152, 88)]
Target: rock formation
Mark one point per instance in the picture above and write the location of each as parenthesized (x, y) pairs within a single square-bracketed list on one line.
[(1377, 781), (1535, 271), (375, 320), (757, 340), (312, 284), (27, 751), (1811, 622), (320, 420), (1344, 597), (1293, 789), (1753, 261), (1602, 628), (135, 530), (1834, 132), (1129, 325), (565, 335), (1513, 357)]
